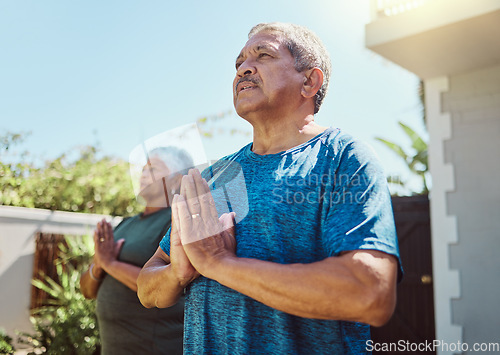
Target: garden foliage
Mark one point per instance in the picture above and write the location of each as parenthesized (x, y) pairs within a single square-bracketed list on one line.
[(77, 181), (67, 323)]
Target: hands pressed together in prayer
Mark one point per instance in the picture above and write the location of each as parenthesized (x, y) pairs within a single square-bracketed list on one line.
[(199, 238), (105, 248)]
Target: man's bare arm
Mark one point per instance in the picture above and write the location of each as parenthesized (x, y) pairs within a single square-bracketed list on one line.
[(356, 286), (156, 285), (164, 277)]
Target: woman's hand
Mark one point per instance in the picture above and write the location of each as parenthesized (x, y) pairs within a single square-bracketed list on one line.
[(105, 248)]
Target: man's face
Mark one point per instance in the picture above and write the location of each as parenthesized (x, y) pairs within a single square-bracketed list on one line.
[(266, 82)]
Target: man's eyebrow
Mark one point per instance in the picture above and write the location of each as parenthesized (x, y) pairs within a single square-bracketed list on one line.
[(260, 47), (265, 47)]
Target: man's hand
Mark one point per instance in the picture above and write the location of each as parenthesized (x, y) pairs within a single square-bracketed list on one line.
[(105, 248), (184, 272), (206, 238)]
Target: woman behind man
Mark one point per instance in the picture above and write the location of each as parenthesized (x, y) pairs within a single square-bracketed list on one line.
[(126, 327)]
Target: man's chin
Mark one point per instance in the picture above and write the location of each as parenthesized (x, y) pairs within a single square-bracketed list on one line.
[(246, 111)]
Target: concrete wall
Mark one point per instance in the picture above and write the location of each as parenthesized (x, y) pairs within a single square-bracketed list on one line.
[(18, 227), (473, 102)]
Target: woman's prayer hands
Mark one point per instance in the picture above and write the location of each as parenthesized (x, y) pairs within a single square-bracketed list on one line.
[(105, 248)]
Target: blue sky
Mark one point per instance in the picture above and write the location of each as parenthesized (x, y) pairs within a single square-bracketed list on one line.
[(118, 72)]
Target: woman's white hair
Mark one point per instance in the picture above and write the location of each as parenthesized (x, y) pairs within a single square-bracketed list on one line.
[(176, 159)]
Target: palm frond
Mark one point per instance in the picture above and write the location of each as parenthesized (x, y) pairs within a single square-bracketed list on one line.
[(417, 142), (394, 147)]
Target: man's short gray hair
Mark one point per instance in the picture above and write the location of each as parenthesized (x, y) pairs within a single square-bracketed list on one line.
[(306, 48), (176, 159)]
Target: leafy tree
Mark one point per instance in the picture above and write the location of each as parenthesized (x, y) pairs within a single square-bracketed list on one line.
[(9, 139), (88, 183)]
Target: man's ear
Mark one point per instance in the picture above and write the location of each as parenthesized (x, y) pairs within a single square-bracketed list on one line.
[(313, 80)]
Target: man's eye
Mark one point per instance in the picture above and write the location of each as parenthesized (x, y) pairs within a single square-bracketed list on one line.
[(237, 65), (263, 55)]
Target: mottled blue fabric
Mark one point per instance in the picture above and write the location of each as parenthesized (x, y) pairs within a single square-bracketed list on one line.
[(303, 205)]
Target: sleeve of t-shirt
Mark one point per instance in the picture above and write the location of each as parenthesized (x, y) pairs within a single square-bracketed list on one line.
[(165, 242), (360, 216)]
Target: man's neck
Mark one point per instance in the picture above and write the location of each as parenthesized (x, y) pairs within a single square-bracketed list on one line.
[(275, 137)]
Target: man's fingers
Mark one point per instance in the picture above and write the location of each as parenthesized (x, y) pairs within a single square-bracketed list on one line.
[(186, 222), (227, 220), (188, 190), (174, 232), (207, 203)]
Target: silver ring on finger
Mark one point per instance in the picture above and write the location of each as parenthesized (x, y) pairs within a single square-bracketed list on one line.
[(196, 215), (101, 240)]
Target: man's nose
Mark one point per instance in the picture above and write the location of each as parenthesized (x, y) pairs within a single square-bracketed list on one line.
[(246, 68)]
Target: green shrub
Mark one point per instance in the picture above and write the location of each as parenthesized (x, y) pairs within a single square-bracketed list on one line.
[(67, 324), (6, 346)]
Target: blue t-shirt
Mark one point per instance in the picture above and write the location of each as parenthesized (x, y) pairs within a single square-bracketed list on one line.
[(303, 205)]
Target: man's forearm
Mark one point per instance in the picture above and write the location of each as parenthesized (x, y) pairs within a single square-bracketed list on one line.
[(354, 287), (157, 286)]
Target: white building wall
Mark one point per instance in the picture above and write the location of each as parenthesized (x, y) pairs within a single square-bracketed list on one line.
[(473, 102), (18, 227), (443, 225)]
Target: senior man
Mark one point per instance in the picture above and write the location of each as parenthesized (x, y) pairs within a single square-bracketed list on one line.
[(313, 259)]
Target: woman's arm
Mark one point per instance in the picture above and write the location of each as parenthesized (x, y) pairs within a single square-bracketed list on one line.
[(90, 281), (106, 262)]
